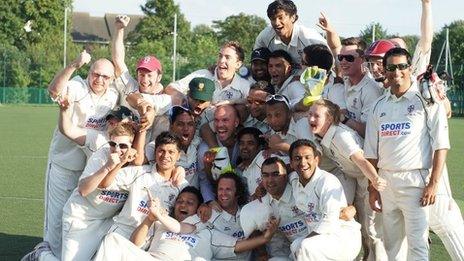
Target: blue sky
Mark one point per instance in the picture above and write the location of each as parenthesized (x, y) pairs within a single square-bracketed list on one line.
[(348, 16)]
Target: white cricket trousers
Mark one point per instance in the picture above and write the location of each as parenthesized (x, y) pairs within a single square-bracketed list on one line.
[(402, 215), (81, 238), (342, 245), (117, 247), (59, 184), (446, 219)]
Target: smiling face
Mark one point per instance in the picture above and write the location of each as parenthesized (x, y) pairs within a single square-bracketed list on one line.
[(274, 179), (354, 68), (375, 67), (227, 193), (282, 23), (166, 156), (399, 80), (259, 70), (319, 120), (225, 122), (101, 75), (120, 141), (279, 69), (248, 146), (304, 161), (227, 64), (185, 206), (148, 81), (184, 128)]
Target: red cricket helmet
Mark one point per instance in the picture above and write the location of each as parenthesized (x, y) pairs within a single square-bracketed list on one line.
[(379, 48)]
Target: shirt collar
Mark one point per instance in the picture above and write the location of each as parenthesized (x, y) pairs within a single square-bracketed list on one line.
[(286, 197), (409, 94), (358, 86), (293, 40), (329, 135)]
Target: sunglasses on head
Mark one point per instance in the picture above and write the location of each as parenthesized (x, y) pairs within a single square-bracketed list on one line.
[(278, 97), (393, 67), (118, 145), (349, 57)]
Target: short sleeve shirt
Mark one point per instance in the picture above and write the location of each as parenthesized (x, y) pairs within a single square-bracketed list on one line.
[(359, 97), (398, 128), (301, 37), (320, 200)]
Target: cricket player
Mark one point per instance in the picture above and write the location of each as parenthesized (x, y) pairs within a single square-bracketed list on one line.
[(344, 146), (92, 99), (284, 33), (171, 242), (228, 86), (182, 125), (88, 214), (400, 121), (320, 196), (157, 178)]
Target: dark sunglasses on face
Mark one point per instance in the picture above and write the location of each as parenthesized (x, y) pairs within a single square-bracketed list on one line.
[(393, 67), (120, 145), (349, 58)]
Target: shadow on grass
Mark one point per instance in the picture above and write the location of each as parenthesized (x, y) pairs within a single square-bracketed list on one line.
[(13, 247)]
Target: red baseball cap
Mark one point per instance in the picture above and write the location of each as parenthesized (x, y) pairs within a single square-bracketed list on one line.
[(149, 63)]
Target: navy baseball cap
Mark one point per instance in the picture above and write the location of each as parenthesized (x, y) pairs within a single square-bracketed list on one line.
[(261, 53)]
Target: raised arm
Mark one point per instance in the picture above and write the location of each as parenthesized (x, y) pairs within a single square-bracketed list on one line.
[(118, 51), (426, 38), (59, 81), (333, 40)]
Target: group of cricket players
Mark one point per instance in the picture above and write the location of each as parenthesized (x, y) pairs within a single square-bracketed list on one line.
[(320, 149)]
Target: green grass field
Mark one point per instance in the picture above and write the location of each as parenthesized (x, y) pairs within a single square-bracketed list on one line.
[(26, 132)]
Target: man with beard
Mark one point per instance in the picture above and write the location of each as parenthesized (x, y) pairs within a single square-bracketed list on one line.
[(319, 195), (284, 33), (360, 89), (282, 78), (182, 125), (251, 145), (259, 60)]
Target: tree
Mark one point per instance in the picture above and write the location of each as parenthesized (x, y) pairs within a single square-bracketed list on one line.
[(456, 40), (242, 28), (366, 33)]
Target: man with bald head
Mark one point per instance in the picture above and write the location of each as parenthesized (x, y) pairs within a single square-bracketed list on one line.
[(90, 101), (226, 122)]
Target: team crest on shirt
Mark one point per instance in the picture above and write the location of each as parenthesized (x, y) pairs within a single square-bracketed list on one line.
[(355, 102), (171, 197), (382, 114), (312, 215), (296, 211), (395, 129)]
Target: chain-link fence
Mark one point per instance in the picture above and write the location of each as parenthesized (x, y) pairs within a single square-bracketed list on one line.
[(40, 96)]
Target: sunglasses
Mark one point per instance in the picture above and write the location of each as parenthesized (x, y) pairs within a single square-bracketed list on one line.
[(393, 67), (278, 97), (349, 58), (118, 145), (97, 75)]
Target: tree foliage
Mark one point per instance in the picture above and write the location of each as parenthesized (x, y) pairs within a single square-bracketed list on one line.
[(242, 28), (366, 33), (456, 40)]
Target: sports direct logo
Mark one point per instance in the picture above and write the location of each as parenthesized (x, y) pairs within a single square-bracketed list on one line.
[(395, 129)]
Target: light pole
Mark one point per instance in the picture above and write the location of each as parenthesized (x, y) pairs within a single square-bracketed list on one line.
[(64, 35)]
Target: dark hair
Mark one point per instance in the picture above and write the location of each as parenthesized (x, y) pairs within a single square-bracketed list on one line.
[(359, 42), (195, 191), (318, 55), (262, 86), (166, 137), (281, 54), (240, 188), (285, 5), (237, 47), (274, 160), (397, 51), (256, 133), (303, 143), (176, 111)]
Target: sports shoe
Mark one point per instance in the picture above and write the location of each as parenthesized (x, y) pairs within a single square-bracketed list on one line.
[(35, 253)]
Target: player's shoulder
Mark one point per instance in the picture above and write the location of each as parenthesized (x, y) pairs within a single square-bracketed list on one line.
[(265, 35), (309, 34)]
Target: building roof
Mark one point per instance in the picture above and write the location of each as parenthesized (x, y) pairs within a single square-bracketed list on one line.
[(91, 29)]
